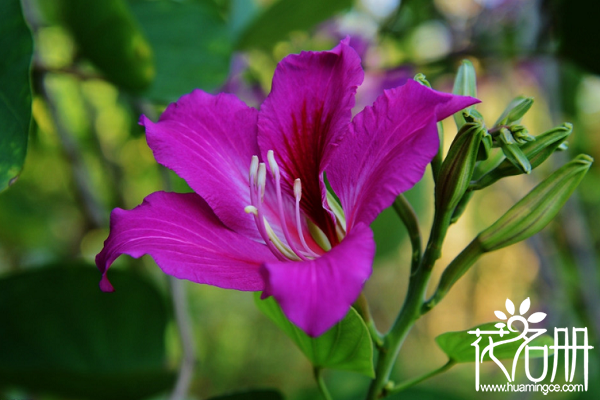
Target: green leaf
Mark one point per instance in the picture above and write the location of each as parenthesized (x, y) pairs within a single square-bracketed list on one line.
[(265, 394), (285, 16), (457, 345), (346, 346), (16, 47), (62, 335), (107, 34), (191, 43)]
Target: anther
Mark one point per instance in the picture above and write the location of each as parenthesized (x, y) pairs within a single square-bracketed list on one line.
[(251, 210), (272, 163), (253, 168), (297, 188)]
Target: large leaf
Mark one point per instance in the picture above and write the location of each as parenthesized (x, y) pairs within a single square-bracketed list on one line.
[(267, 394), (16, 47), (457, 345), (191, 44), (60, 334), (286, 16), (346, 346), (107, 34)]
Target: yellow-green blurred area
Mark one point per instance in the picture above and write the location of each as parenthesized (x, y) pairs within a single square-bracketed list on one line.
[(87, 155)]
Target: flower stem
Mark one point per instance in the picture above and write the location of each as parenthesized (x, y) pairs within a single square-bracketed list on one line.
[(321, 383), (412, 382), (453, 272), (184, 325), (409, 218), (433, 251), (411, 311), (413, 303)]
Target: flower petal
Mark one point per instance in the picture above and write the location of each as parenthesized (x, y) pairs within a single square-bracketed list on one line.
[(388, 148), (186, 240), (317, 294), (209, 141), (305, 116)]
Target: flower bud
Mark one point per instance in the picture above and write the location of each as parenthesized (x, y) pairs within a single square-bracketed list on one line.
[(457, 169), (420, 78), (521, 134), (513, 152), (536, 152), (515, 110), (465, 84), (537, 208)]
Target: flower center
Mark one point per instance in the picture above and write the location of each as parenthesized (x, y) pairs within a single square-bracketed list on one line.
[(291, 249)]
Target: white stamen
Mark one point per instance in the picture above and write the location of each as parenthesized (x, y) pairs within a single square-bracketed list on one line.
[(257, 185), (275, 170)]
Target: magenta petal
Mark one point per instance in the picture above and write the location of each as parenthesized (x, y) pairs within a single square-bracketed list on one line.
[(209, 141), (316, 294), (305, 116), (186, 240), (388, 148)]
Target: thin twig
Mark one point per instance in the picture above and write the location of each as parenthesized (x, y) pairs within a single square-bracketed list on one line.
[(188, 363), (412, 382), (94, 211)]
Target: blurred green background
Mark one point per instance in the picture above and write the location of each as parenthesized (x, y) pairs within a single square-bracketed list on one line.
[(98, 65)]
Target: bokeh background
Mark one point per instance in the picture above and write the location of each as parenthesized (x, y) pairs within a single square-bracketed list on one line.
[(98, 65)]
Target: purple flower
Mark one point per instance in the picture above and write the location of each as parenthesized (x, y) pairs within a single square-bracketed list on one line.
[(261, 217)]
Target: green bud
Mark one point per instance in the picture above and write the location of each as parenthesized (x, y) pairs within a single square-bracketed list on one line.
[(536, 152), (422, 80), (515, 110), (505, 136), (465, 84), (521, 134), (515, 155), (457, 169), (534, 211)]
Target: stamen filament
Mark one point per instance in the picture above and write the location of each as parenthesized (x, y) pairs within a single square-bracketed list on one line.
[(298, 196), (255, 208), (275, 171)]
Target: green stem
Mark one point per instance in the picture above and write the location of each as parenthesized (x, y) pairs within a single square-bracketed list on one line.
[(412, 382), (433, 251), (409, 218), (321, 383), (457, 268), (411, 311)]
